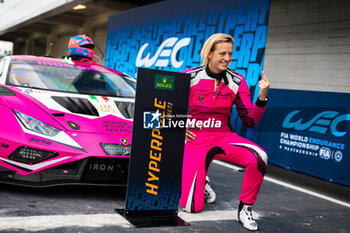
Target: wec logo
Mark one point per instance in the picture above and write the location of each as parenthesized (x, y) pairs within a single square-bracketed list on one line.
[(319, 123), (168, 49)]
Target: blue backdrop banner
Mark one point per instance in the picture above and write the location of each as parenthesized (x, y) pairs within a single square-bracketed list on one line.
[(169, 36), (308, 131)]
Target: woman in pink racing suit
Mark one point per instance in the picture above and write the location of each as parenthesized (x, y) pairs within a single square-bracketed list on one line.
[(214, 89)]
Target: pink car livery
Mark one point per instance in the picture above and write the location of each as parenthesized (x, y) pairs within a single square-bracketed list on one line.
[(64, 122)]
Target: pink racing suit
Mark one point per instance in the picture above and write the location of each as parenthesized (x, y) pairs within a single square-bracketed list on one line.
[(207, 100)]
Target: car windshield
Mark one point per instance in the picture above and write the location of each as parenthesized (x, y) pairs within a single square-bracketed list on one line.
[(59, 76)]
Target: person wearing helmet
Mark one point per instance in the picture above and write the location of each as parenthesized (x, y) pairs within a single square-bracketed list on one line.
[(81, 46)]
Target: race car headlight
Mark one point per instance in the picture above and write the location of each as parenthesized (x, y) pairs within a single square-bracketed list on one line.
[(116, 149), (36, 125), (31, 155)]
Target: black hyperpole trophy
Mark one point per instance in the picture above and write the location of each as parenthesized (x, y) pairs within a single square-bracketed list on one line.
[(154, 182)]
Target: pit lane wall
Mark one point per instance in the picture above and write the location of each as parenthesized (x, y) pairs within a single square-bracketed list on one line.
[(308, 131)]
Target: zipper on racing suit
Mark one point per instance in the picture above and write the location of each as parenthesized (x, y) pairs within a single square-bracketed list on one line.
[(217, 84)]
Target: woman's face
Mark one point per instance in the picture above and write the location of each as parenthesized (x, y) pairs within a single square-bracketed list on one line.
[(220, 58)]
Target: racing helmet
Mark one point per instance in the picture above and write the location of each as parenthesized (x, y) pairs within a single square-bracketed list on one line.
[(81, 45)]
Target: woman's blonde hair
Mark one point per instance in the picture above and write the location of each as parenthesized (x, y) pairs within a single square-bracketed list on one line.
[(211, 42)]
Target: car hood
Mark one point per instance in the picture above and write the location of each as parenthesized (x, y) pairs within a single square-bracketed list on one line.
[(75, 112)]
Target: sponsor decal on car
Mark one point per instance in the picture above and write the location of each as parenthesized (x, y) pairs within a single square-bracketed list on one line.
[(101, 167), (117, 126), (124, 141), (4, 145), (40, 141), (73, 125)]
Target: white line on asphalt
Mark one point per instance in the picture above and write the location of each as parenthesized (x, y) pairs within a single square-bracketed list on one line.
[(214, 215), (45, 222), (37, 223), (285, 184)]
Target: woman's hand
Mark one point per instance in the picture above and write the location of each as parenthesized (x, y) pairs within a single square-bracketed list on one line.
[(264, 86), (190, 135)]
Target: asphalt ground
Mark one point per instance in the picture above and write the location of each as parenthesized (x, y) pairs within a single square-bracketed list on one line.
[(287, 202)]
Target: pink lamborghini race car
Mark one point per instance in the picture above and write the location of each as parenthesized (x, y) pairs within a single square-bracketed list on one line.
[(64, 122)]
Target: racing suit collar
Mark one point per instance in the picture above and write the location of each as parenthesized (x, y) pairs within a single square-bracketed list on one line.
[(219, 76)]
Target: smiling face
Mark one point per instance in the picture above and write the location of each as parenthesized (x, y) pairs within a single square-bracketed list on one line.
[(220, 58)]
